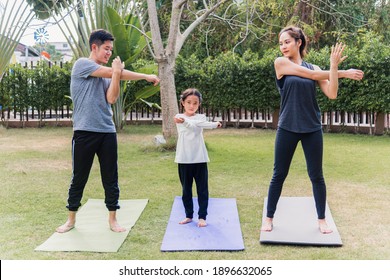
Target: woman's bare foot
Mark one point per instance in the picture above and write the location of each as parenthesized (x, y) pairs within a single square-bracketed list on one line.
[(324, 228), (65, 227), (202, 223), (267, 224), (185, 221)]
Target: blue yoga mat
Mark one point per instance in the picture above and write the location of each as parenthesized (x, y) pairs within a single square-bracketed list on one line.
[(222, 233)]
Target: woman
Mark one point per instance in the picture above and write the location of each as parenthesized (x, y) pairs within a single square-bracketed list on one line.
[(300, 117)]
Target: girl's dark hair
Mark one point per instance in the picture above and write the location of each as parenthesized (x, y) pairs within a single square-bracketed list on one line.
[(99, 36), (297, 34), (191, 91)]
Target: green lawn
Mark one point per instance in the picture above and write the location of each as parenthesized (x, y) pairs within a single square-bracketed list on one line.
[(35, 169)]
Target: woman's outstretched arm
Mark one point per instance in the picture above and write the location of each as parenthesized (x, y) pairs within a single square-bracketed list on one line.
[(283, 66), (330, 86)]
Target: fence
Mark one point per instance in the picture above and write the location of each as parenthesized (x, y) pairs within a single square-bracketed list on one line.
[(40, 97), (362, 122)]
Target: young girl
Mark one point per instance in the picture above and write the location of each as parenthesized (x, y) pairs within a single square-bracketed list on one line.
[(300, 117), (191, 154)]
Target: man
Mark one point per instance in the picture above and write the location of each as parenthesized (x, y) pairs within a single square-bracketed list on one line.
[(94, 88)]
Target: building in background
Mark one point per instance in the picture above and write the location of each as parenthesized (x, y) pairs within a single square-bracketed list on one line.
[(26, 55), (65, 49)]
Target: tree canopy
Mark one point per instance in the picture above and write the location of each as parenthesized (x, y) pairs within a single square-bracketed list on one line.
[(254, 25)]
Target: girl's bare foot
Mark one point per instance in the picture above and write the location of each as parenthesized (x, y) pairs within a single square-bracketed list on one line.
[(202, 223), (65, 227), (324, 228), (185, 221), (267, 224)]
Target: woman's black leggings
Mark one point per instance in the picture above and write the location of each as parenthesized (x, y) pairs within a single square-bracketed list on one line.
[(285, 145)]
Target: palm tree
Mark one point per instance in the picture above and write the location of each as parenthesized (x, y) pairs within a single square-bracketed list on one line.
[(15, 17), (129, 43), (77, 19)]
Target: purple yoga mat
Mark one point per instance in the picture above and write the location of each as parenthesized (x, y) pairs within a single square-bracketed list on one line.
[(223, 231)]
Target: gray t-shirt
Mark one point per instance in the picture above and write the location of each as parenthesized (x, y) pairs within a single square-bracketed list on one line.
[(299, 110), (91, 111)]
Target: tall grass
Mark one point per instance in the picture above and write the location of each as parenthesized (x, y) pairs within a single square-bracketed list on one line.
[(35, 169)]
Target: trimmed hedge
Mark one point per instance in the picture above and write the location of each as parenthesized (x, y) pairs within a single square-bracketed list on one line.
[(43, 88), (228, 82)]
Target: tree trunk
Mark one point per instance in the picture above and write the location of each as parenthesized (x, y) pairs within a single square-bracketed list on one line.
[(304, 12), (328, 121), (168, 98), (166, 57)]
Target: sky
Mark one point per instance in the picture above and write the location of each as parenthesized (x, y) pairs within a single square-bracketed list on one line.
[(54, 32)]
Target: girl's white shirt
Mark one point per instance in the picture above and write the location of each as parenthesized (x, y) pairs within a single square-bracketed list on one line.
[(190, 146)]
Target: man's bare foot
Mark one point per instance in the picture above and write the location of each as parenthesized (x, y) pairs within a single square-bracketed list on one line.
[(324, 228), (202, 223), (267, 224), (115, 227), (65, 227), (185, 221)]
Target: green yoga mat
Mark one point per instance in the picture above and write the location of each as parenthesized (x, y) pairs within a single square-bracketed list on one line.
[(92, 232)]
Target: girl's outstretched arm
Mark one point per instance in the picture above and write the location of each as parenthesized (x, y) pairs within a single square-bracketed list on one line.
[(201, 122)]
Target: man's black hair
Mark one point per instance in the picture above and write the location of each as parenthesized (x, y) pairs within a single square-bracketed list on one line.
[(99, 36)]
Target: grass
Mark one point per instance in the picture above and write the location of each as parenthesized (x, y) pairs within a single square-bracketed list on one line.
[(35, 169)]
